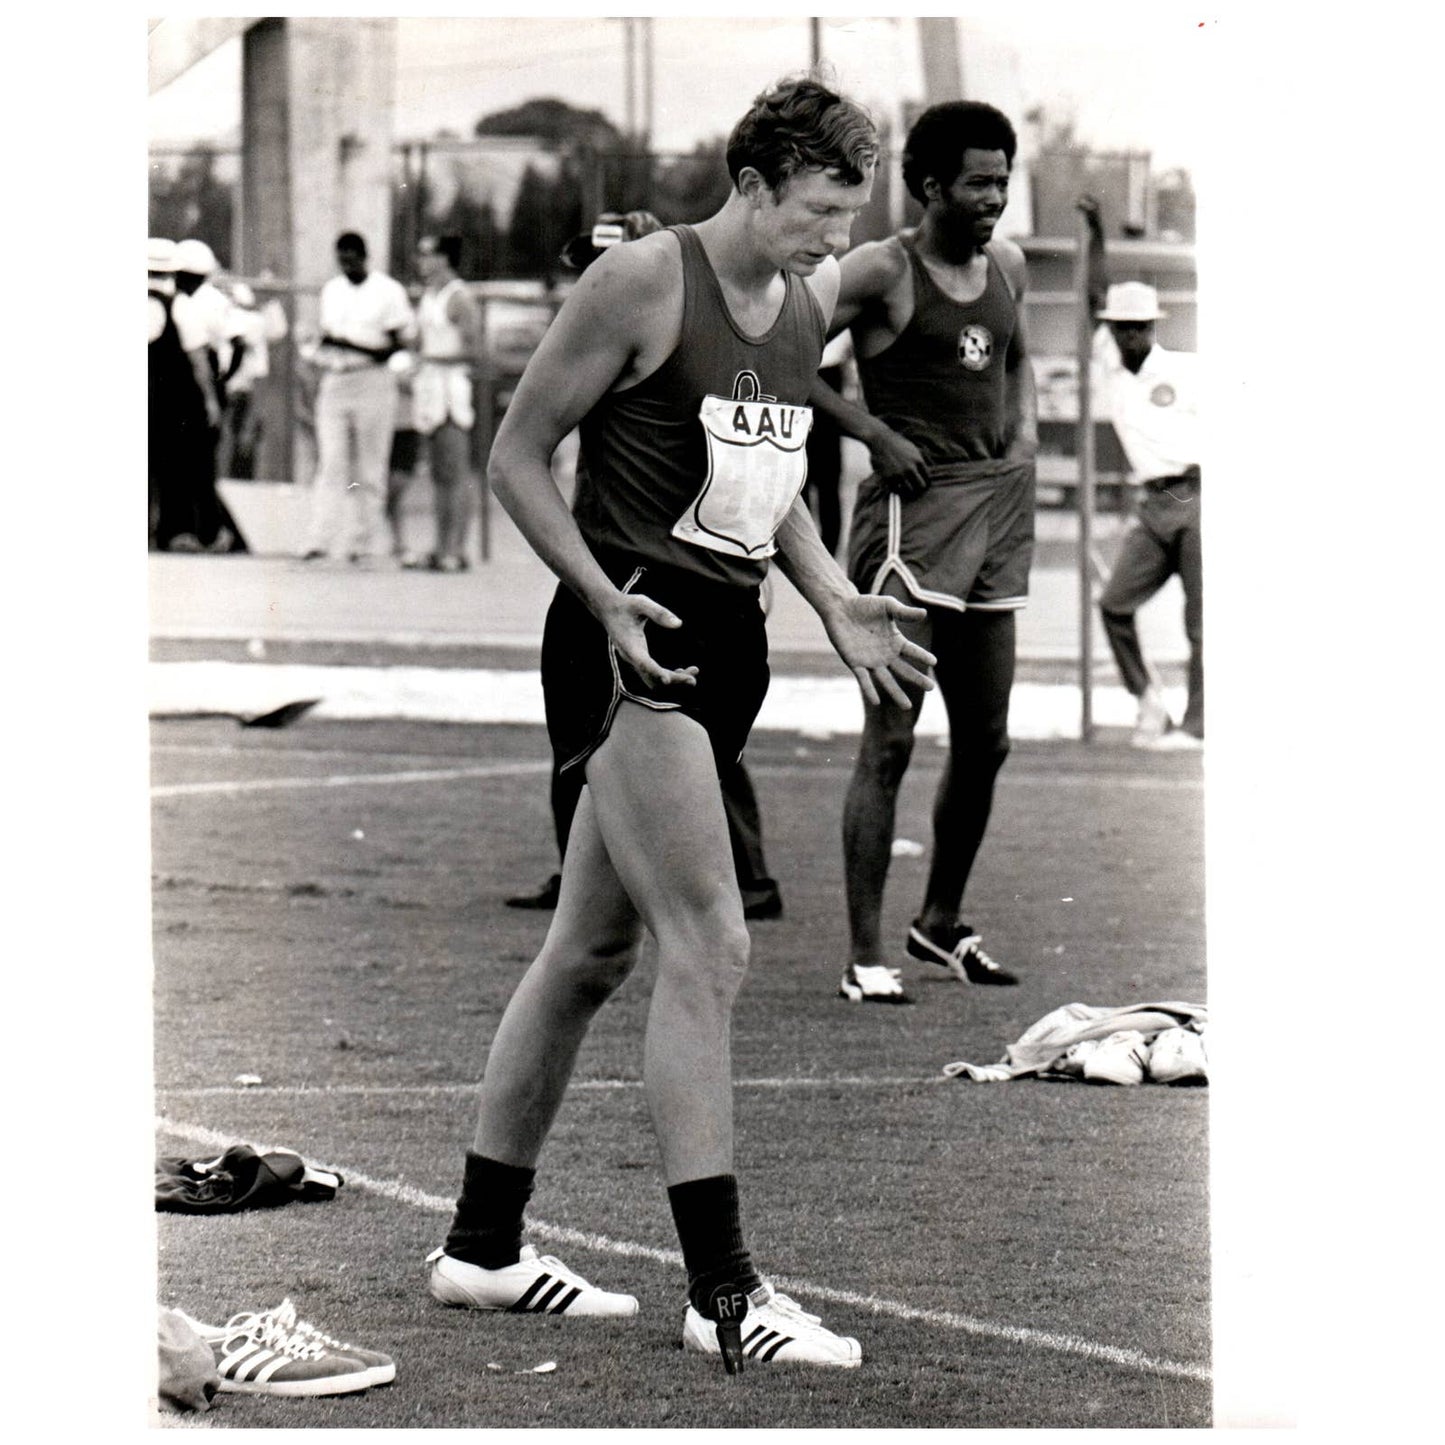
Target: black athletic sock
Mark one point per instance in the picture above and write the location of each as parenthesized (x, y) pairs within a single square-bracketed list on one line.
[(487, 1226), (709, 1227)]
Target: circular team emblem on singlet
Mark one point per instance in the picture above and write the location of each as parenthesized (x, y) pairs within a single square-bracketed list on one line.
[(975, 347), (1163, 394)]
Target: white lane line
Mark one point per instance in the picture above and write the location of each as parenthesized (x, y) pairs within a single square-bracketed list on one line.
[(532, 767), (407, 1194), (280, 1091), (351, 780)]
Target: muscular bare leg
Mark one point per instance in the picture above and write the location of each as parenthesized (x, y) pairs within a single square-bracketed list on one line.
[(871, 802), (661, 817)]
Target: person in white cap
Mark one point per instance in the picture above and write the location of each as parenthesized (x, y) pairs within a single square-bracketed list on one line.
[(1153, 396), (211, 311), (365, 320), (182, 406)]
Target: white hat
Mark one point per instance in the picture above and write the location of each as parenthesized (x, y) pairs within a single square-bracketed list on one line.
[(160, 254), (196, 257), (1128, 301)]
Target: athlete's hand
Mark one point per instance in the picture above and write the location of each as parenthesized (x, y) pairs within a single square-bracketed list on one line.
[(898, 464), (864, 630), (624, 617)]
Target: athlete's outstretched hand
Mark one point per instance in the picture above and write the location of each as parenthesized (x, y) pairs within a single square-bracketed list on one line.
[(865, 632), (897, 463), (624, 618)]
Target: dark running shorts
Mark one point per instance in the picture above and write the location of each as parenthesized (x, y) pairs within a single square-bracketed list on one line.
[(584, 681), (966, 544)]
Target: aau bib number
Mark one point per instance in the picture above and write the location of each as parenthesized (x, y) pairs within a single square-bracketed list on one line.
[(757, 463)]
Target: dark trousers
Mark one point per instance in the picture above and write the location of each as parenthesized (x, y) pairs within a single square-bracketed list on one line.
[(1162, 541)]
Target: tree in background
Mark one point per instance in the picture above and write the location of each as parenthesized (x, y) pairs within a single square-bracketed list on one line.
[(192, 200)]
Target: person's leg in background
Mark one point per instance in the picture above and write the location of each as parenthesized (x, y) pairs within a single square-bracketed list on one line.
[(333, 465), (374, 422), (1143, 566), (449, 447), (869, 809), (975, 673), (1191, 574), (761, 898), (400, 473)]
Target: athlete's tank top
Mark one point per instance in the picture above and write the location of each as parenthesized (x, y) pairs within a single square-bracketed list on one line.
[(441, 338), (695, 464), (942, 382)]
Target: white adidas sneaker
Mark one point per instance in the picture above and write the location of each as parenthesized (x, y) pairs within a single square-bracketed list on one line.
[(536, 1284), (1120, 1059), (778, 1330), (263, 1353)]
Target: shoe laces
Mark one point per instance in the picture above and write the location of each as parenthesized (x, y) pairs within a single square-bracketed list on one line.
[(276, 1329), (286, 1314), (985, 961)]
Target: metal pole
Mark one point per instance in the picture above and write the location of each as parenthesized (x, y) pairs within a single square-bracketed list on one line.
[(1086, 479), (815, 39), (629, 55)]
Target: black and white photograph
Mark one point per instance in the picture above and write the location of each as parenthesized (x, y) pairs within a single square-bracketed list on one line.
[(682, 850)]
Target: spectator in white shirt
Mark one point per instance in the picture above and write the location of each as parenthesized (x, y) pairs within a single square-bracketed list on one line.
[(1154, 403), (365, 320)]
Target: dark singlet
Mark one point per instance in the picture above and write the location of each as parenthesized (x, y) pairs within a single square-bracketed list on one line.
[(942, 382), (697, 464)]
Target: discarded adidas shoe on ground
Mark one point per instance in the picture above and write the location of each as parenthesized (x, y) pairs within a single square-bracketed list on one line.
[(956, 948), (775, 1330), (536, 1284), (872, 983), (1119, 1059), (1177, 1056), (381, 1366), (271, 1353)]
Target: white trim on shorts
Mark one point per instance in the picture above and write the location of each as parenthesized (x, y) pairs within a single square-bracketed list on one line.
[(618, 693), (893, 562)]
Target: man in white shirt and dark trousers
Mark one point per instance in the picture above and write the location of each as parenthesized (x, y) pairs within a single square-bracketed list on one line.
[(365, 320), (1154, 402)]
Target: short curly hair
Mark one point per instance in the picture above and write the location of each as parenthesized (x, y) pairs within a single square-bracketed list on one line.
[(939, 137), (802, 125)]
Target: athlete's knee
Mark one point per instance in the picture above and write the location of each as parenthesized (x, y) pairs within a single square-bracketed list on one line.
[(593, 971), (885, 754), (711, 945), (980, 749)]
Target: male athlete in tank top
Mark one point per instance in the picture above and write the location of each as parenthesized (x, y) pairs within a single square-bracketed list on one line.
[(946, 519), (628, 359)]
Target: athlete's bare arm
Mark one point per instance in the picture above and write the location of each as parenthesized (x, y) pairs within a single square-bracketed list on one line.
[(875, 299), (1020, 389), (621, 321)]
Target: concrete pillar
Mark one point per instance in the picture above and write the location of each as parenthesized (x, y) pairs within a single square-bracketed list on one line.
[(316, 144)]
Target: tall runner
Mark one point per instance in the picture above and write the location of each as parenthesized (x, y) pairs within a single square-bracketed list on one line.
[(945, 521), (686, 358)]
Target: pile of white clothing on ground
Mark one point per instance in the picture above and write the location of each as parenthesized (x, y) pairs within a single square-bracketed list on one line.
[(1158, 1043)]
